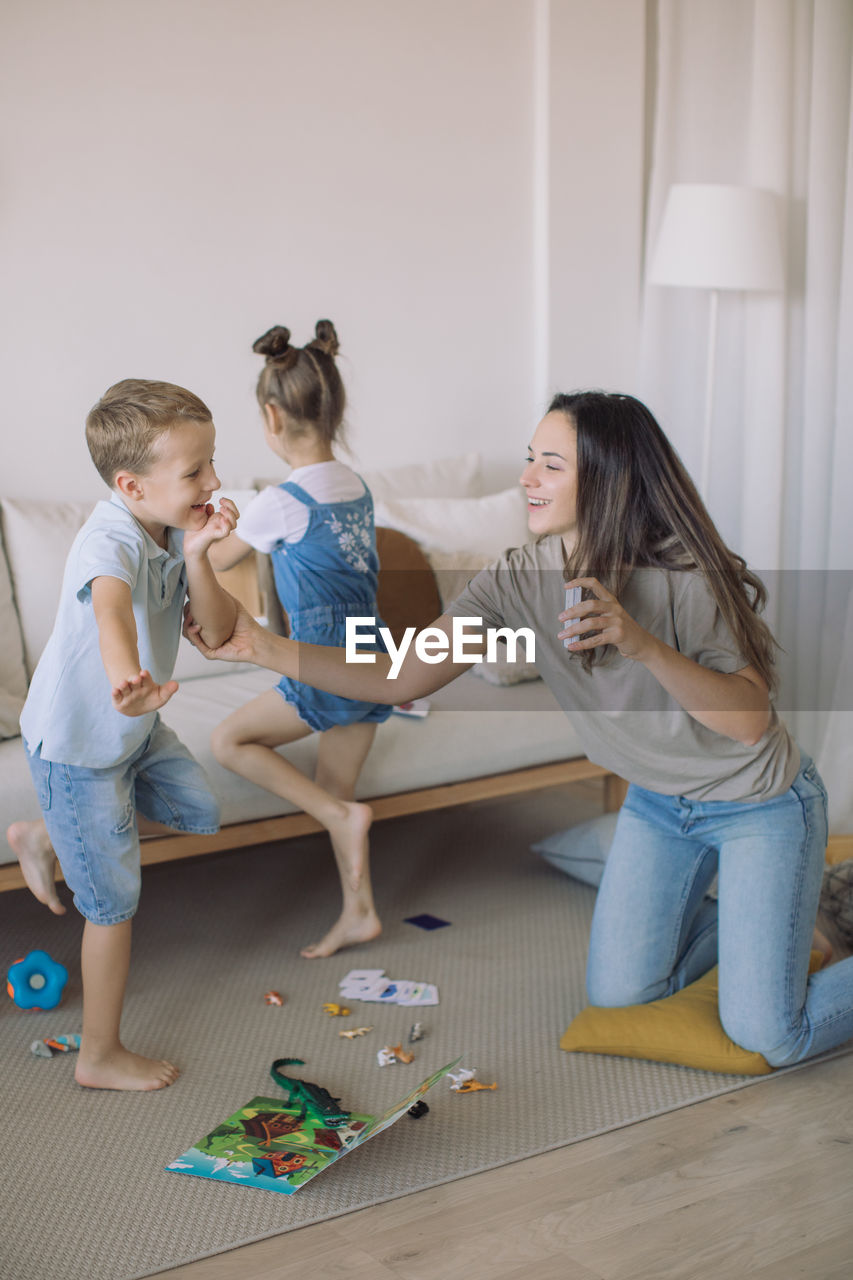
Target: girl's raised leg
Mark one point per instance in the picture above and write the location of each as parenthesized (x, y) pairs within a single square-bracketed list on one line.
[(342, 753), (245, 743)]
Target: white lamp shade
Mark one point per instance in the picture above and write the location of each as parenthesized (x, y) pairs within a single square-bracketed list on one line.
[(714, 236)]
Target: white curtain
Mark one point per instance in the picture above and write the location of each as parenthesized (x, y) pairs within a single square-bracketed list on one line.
[(758, 93)]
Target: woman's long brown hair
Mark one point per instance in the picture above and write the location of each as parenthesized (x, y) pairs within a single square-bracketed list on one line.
[(638, 508)]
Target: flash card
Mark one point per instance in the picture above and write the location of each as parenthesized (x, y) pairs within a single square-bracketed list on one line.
[(573, 597)]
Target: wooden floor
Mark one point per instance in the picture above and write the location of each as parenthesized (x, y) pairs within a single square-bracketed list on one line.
[(757, 1183)]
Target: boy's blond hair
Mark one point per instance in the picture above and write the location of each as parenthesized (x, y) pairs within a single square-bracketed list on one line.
[(124, 426)]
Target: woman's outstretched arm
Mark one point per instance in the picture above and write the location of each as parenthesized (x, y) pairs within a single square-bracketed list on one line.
[(383, 678)]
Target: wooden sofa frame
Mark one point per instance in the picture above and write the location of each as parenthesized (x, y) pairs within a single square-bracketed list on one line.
[(265, 830)]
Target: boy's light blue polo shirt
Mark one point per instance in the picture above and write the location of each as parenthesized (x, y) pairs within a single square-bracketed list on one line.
[(68, 711)]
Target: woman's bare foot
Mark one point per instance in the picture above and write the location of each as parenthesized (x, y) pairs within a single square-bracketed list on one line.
[(31, 846), (122, 1069), (350, 929), (822, 944), (349, 841)]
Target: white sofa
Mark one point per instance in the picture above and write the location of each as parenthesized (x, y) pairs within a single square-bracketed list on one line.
[(479, 739)]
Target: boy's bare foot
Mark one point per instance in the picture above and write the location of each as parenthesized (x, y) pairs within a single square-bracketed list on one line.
[(822, 944), (350, 929), (122, 1069), (349, 841), (31, 846)]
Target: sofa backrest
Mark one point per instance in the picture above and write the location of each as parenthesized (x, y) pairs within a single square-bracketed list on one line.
[(37, 537)]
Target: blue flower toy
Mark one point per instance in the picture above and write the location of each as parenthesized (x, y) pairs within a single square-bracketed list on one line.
[(37, 981)]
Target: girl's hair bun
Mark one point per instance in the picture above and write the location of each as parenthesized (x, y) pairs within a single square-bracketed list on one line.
[(275, 342), (326, 338)]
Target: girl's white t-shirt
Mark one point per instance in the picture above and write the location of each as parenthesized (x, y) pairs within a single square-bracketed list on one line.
[(276, 516)]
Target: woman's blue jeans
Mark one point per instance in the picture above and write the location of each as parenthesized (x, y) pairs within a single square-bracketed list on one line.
[(654, 930)]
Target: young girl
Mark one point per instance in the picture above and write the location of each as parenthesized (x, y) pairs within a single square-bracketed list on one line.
[(671, 669), (318, 529)]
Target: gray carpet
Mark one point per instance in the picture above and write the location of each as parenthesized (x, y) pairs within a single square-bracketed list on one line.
[(85, 1170)]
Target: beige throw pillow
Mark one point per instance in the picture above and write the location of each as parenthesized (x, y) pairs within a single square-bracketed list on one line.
[(457, 477), (484, 526), (38, 537)]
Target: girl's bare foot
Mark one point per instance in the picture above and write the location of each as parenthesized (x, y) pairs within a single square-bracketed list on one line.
[(31, 846), (349, 841), (822, 944), (350, 929), (122, 1069)]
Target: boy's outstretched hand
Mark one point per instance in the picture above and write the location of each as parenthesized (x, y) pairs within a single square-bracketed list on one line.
[(139, 695), (219, 524)]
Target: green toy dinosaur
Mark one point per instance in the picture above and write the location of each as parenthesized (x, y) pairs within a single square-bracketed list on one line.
[(311, 1097)]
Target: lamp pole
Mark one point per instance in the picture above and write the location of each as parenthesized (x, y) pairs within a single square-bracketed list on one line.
[(705, 473)]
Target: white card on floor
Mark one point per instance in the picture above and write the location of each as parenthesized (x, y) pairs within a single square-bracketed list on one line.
[(397, 992), (365, 990), (363, 984), (424, 993)]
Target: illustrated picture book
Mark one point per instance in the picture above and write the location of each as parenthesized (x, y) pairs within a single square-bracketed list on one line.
[(280, 1148)]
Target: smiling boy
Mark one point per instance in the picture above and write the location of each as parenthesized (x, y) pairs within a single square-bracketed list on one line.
[(97, 750)]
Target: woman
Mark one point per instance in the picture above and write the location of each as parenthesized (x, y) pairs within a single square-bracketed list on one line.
[(667, 671)]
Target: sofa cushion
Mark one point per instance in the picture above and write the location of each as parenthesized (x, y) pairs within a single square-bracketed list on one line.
[(486, 525), (457, 477), (38, 537), (472, 730), (683, 1028), (13, 672)]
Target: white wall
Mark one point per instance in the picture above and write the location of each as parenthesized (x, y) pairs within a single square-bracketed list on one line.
[(596, 175), (181, 174)]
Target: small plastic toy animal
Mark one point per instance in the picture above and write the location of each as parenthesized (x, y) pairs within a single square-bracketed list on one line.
[(393, 1053), (336, 1010), (311, 1097), (458, 1078), (355, 1031)]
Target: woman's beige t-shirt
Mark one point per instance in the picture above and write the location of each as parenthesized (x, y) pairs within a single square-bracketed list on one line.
[(626, 720)]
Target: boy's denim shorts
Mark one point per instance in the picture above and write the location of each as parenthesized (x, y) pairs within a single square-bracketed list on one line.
[(90, 816)]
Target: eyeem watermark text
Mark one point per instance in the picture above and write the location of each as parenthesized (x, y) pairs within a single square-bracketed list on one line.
[(465, 644)]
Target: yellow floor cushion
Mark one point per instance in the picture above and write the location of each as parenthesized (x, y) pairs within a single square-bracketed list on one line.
[(684, 1028)]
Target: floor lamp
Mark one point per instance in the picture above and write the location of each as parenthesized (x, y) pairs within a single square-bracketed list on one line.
[(714, 236)]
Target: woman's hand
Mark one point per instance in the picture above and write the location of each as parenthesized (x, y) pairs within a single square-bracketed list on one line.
[(242, 644), (608, 622)]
